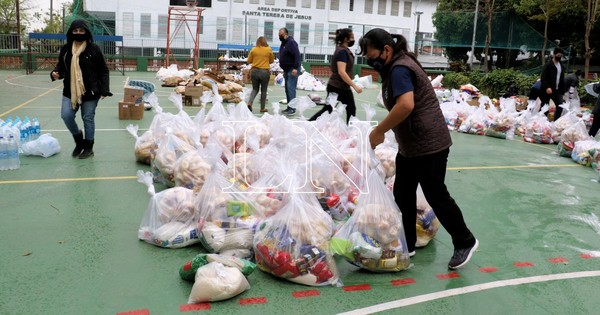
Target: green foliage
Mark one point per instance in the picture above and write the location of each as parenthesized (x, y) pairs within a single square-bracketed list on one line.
[(493, 84), (454, 80)]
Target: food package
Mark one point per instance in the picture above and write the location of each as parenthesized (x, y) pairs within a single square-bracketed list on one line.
[(169, 217), (188, 270), (192, 169), (427, 222), (216, 282), (143, 144), (169, 150), (569, 136), (539, 129), (294, 243), (45, 146), (227, 217), (373, 238), (586, 152)]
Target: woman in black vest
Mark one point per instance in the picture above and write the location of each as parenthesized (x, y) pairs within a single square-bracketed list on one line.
[(423, 140), (340, 79)]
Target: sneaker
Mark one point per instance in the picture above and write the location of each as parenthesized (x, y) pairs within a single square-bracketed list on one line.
[(290, 111), (462, 256), (411, 253), (264, 110)]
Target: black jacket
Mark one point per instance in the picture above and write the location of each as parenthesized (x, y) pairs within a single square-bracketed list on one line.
[(548, 77), (289, 55), (93, 66)]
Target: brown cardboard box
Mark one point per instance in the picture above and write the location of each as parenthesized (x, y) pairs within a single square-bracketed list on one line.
[(191, 101), (136, 111), (133, 95), (192, 95), (124, 113)]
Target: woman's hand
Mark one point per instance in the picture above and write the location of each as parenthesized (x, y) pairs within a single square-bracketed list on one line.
[(294, 72), (357, 88), (376, 138), (55, 75), (548, 91)]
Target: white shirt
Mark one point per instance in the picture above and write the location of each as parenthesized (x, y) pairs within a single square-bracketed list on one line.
[(558, 71)]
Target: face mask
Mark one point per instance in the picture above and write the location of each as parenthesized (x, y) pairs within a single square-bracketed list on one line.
[(351, 43), (281, 38), (376, 63), (79, 37)]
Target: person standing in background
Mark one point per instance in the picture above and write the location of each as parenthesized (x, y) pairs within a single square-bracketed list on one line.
[(552, 78), (261, 58), (289, 61), (423, 139), (86, 80), (340, 79)]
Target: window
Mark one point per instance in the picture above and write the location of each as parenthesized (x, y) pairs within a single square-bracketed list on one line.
[(238, 1), (407, 9), (128, 24), (269, 2), (381, 8), (368, 6), (321, 4), (332, 29), (252, 31), (319, 30), (254, 2), (306, 3), (145, 25), (290, 28), (236, 32), (395, 7), (222, 28), (222, 0), (304, 33), (291, 3), (334, 5), (269, 31), (351, 7), (163, 19), (426, 35)]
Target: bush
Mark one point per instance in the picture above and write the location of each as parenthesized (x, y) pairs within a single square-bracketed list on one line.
[(493, 84), (454, 80)]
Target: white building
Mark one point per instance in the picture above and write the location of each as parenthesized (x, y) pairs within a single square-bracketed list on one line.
[(143, 24)]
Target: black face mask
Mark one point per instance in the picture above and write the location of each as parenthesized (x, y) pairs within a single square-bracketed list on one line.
[(80, 37), (281, 38), (376, 63), (351, 43)]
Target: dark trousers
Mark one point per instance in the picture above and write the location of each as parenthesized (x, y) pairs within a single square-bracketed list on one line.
[(557, 98), (260, 79), (345, 97), (596, 122), (430, 172)]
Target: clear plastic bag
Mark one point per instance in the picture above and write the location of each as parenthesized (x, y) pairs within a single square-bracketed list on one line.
[(44, 146), (216, 282), (373, 238)]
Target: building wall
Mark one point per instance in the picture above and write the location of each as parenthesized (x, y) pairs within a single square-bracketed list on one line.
[(143, 23)]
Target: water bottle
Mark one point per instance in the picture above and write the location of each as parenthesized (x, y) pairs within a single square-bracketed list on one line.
[(25, 129), (13, 154), (36, 128), (3, 153)]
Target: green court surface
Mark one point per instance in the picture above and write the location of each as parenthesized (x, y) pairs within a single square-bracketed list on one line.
[(69, 230)]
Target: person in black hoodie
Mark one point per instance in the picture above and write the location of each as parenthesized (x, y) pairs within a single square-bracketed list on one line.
[(86, 80), (552, 78)]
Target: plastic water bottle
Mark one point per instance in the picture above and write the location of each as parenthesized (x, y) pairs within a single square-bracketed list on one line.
[(36, 128), (25, 131), (13, 154), (3, 153)]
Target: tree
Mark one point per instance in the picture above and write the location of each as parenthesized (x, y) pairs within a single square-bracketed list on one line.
[(8, 16), (592, 15), (489, 10)]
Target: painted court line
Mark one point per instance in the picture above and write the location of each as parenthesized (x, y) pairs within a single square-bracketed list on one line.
[(470, 289), (54, 180), (27, 102)]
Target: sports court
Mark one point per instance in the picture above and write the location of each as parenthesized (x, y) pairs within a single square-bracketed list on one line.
[(69, 230)]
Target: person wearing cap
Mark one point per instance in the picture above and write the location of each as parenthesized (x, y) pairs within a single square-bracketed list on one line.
[(85, 76)]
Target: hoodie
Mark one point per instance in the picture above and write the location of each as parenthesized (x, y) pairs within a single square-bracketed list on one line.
[(93, 66)]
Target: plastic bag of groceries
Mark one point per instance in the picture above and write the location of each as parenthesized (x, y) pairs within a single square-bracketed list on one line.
[(143, 144), (294, 243), (169, 217), (502, 123), (586, 152), (566, 120), (569, 136), (170, 148), (46, 145), (427, 222), (217, 282), (188, 270), (373, 238), (539, 129), (226, 216)]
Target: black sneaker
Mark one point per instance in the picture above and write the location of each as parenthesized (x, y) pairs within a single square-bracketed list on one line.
[(462, 256), (290, 111)]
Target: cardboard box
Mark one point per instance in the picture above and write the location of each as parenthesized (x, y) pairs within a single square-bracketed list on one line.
[(124, 110), (194, 91), (191, 101), (133, 95), (131, 111)]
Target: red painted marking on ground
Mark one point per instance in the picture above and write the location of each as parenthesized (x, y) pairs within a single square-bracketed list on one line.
[(586, 256), (194, 307), (136, 312), (405, 281), (306, 293), (523, 264), (358, 287), (557, 260), (488, 269), (251, 301), (444, 276)]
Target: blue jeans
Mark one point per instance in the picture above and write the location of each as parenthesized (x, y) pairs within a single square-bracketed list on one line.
[(290, 84), (88, 112)]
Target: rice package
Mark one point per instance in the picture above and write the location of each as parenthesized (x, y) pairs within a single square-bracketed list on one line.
[(373, 238), (216, 282), (169, 217), (188, 270), (294, 243)]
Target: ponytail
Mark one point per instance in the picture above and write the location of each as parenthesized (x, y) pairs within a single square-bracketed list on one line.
[(377, 38), (401, 48)]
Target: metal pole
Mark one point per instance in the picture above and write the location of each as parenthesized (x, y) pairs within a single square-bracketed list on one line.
[(474, 33), (51, 24), (18, 25), (418, 14)]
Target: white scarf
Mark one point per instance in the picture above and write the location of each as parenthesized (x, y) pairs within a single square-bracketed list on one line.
[(77, 86)]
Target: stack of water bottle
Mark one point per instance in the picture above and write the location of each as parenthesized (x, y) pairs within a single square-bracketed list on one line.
[(14, 133)]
